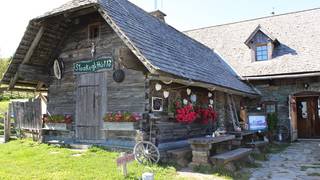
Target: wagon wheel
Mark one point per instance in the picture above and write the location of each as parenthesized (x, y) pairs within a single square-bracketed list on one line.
[(146, 153)]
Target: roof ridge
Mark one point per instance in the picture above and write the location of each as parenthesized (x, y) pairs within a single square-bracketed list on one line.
[(248, 20)]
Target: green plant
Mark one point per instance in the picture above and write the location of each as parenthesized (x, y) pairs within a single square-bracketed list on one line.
[(272, 121), (56, 119), (53, 162)]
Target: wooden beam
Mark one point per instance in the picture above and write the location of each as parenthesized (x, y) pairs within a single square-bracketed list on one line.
[(39, 86), (23, 90), (27, 57)]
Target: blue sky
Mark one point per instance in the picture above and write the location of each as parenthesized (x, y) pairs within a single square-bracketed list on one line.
[(181, 14)]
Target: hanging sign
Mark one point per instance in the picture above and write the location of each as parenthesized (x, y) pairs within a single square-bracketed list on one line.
[(93, 65)]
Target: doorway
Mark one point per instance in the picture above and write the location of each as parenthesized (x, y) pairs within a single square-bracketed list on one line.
[(91, 98), (307, 114)]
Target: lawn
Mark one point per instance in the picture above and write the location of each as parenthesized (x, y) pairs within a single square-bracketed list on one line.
[(24, 159)]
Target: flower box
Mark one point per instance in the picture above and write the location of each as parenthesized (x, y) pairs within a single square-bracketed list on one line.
[(55, 126), (120, 126)]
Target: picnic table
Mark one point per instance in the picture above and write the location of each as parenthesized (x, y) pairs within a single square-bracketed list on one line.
[(243, 137), (204, 147)]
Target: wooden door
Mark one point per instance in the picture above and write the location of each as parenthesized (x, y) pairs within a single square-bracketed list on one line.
[(91, 102), (307, 116), (316, 129)]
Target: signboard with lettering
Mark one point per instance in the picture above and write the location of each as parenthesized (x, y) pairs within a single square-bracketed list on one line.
[(93, 65), (124, 159)]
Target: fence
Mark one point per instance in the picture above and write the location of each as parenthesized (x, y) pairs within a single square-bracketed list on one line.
[(27, 115)]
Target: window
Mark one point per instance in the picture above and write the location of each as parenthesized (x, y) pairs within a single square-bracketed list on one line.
[(262, 53), (304, 109), (94, 31), (270, 107)]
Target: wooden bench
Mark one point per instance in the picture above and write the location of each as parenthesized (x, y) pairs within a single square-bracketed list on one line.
[(257, 145), (224, 158), (180, 156)]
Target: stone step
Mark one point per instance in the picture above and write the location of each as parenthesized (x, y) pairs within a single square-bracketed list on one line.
[(233, 155), (80, 146), (180, 156)]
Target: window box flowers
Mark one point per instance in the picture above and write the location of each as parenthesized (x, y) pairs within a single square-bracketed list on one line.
[(57, 122), (121, 121)]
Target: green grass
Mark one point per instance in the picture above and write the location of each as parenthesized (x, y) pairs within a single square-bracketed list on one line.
[(221, 172), (24, 159)]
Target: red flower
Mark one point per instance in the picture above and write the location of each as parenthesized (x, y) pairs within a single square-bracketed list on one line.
[(186, 114)]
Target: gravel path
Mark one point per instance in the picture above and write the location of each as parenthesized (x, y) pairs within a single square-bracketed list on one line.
[(301, 161)]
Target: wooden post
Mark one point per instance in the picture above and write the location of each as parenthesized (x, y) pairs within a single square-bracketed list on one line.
[(124, 166), (7, 125)]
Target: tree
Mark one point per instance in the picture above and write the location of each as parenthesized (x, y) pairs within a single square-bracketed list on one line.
[(4, 63)]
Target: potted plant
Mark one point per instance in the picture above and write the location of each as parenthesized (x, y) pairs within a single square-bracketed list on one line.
[(57, 122), (121, 121)]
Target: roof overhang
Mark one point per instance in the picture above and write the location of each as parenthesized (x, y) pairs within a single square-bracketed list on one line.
[(281, 76), (211, 87)]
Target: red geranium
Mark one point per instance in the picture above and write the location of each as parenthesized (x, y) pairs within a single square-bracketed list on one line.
[(186, 114), (207, 115)]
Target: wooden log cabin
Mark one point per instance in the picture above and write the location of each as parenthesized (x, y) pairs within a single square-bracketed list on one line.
[(103, 61)]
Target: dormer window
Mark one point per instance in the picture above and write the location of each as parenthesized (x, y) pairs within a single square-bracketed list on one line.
[(262, 52), (261, 44)]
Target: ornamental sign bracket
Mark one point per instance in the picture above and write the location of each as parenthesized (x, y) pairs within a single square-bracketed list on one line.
[(91, 66)]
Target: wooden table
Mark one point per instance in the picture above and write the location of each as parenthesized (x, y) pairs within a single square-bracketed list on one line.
[(203, 147), (244, 137)]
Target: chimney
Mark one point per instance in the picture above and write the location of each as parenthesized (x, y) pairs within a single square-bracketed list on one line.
[(158, 14)]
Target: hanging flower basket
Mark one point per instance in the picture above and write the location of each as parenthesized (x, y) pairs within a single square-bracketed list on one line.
[(187, 113)]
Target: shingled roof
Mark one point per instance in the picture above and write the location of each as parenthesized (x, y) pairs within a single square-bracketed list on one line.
[(160, 47), (298, 34)]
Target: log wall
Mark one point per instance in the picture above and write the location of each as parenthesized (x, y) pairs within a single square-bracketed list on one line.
[(126, 96)]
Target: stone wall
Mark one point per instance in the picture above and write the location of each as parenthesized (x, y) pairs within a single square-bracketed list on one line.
[(279, 91)]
